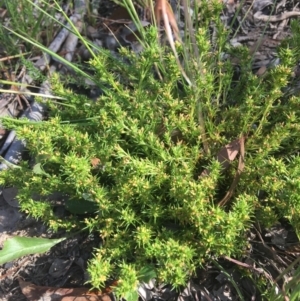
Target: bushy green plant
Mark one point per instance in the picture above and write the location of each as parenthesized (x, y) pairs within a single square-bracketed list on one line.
[(134, 158)]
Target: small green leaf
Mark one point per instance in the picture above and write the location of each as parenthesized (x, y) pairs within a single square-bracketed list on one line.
[(147, 273), (37, 169), (81, 206), (88, 197), (17, 247), (131, 296)]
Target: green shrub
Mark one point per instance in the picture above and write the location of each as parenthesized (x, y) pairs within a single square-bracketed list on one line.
[(132, 160)]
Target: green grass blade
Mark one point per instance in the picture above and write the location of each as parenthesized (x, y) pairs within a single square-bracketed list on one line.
[(230, 279), (53, 54)]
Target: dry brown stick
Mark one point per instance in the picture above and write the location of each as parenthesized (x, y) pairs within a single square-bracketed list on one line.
[(248, 266), (272, 253), (266, 18)]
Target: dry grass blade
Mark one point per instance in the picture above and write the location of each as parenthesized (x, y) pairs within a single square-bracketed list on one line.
[(163, 8), (191, 32), (32, 94), (10, 57)]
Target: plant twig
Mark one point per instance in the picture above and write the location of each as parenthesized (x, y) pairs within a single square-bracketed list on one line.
[(248, 266)]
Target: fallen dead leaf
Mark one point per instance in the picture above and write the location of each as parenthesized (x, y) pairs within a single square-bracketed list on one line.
[(238, 173), (42, 293), (261, 71), (59, 267), (226, 155), (120, 14), (95, 162), (3, 132)]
